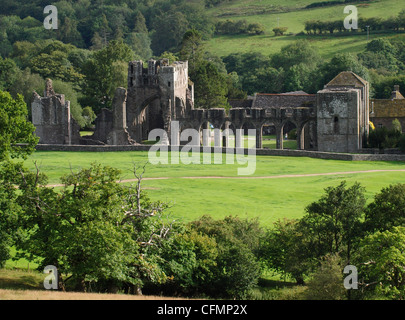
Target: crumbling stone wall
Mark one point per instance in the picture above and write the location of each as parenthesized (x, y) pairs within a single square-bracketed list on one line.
[(52, 119), (111, 125)]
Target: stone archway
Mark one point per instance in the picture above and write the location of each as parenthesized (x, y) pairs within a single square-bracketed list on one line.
[(289, 129)]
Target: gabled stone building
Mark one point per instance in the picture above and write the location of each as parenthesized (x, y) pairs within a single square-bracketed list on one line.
[(343, 114)]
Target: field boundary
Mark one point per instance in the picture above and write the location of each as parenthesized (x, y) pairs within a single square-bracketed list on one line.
[(261, 152)]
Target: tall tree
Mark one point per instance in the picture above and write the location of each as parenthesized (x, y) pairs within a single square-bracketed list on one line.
[(104, 72), (169, 28), (381, 263), (17, 138), (191, 48), (211, 86), (94, 230), (333, 223), (387, 210)]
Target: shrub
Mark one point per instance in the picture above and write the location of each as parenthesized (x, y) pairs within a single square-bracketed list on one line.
[(238, 268), (279, 31), (292, 135), (327, 281)]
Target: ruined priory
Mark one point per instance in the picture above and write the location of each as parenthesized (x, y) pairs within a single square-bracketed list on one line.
[(335, 119)]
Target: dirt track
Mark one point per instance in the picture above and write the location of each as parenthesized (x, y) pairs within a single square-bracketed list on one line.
[(256, 177)]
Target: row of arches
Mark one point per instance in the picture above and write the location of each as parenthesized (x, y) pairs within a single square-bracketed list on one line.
[(215, 129), (270, 135)]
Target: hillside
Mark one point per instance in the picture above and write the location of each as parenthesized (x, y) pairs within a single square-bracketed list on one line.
[(293, 15), (106, 33)]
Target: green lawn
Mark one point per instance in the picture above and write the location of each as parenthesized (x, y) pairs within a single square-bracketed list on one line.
[(267, 198), (86, 133)]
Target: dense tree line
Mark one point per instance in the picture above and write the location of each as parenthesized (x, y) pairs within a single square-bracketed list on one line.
[(372, 24), (332, 3), (231, 27), (299, 66), (92, 24)]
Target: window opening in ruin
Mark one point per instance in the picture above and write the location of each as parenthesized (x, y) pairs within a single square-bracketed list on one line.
[(336, 125)]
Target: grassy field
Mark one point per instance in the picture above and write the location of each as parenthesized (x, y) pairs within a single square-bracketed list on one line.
[(277, 189), (291, 14)]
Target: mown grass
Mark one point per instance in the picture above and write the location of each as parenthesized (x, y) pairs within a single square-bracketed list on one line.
[(216, 189)]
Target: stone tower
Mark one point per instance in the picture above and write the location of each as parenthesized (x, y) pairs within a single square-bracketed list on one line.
[(157, 94), (343, 114)]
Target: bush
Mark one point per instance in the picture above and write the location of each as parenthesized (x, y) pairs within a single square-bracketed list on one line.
[(327, 280), (279, 31), (383, 138), (238, 27), (292, 135), (237, 266)]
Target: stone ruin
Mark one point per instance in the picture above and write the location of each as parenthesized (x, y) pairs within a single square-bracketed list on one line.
[(52, 119), (336, 119), (111, 125), (343, 114)]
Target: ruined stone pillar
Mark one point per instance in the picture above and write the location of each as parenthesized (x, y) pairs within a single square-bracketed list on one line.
[(279, 138), (119, 134), (300, 137), (167, 111), (259, 137), (49, 92)]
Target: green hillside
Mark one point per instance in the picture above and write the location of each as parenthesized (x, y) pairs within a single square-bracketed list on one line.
[(230, 45), (293, 15)]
